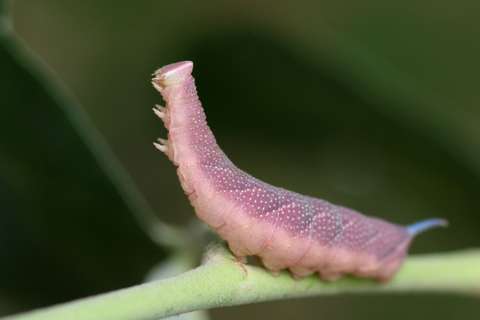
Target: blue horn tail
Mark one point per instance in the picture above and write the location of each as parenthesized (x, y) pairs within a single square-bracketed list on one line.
[(417, 227)]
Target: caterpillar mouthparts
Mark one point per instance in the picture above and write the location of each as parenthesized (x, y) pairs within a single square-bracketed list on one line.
[(285, 229)]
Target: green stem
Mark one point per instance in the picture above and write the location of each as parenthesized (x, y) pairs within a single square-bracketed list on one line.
[(221, 281)]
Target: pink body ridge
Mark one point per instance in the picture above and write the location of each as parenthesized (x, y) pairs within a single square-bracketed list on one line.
[(285, 229)]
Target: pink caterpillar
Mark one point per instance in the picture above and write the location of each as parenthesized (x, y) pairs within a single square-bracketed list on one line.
[(285, 229)]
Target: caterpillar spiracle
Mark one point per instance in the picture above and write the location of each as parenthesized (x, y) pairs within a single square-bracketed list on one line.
[(285, 229)]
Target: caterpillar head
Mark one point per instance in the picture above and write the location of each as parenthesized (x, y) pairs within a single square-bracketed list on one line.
[(172, 74)]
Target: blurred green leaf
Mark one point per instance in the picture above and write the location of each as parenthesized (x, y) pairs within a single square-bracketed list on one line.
[(63, 223)]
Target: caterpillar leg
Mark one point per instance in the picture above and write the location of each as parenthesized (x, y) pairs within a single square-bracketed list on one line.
[(299, 272), (162, 146), (330, 276), (242, 259), (160, 111), (275, 273)]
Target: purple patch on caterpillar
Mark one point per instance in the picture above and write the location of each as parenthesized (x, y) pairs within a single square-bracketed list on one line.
[(285, 229)]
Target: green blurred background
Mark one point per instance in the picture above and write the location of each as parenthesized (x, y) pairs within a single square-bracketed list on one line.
[(370, 105)]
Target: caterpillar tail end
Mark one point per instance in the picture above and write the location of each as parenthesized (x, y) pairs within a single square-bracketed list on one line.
[(418, 227)]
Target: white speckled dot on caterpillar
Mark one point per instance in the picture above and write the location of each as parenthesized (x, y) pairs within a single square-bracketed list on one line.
[(285, 229)]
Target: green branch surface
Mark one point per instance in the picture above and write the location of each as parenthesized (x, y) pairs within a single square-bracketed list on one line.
[(222, 281)]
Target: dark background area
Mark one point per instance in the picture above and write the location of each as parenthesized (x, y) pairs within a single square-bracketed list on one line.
[(370, 105)]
